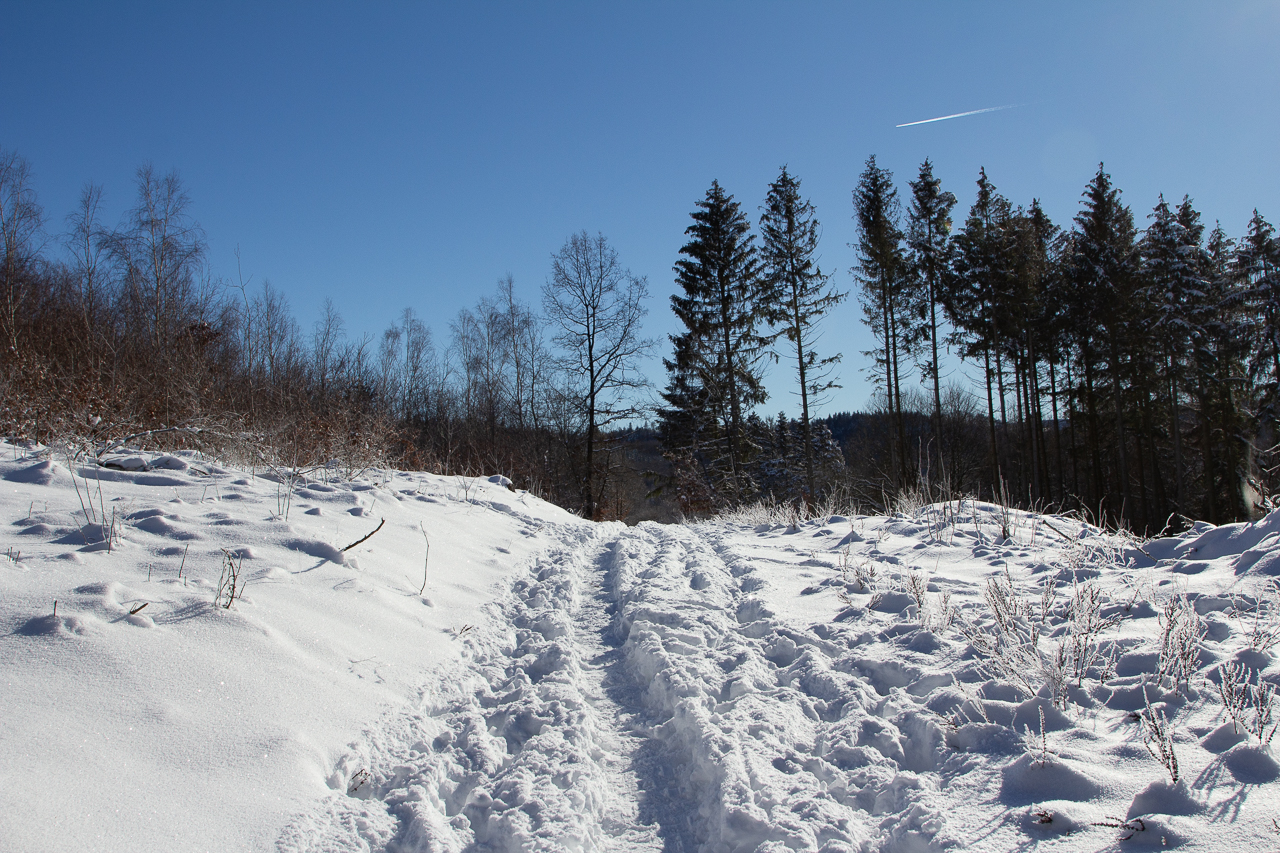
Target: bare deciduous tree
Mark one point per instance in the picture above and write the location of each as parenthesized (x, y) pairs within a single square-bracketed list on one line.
[(527, 355), (20, 222), (160, 252), (480, 344), (85, 243), (326, 347), (596, 307)]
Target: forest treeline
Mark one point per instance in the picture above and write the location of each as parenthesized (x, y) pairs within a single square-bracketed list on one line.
[(1129, 373)]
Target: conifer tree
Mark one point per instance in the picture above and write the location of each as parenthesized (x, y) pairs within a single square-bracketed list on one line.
[(1022, 322), (1173, 268), (1219, 347), (795, 295), (1258, 261), (928, 243), (716, 369), (1103, 264), (974, 290), (881, 271), (1054, 342)]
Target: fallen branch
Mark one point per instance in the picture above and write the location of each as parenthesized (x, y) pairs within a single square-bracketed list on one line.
[(134, 611), (358, 541), (119, 443), (1055, 530)]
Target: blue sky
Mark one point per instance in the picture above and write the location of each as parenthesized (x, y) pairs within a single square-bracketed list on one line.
[(387, 155)]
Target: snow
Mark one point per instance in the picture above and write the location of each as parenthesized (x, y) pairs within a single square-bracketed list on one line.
[(757, 683)]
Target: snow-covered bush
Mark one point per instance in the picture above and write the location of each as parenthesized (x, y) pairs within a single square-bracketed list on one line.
[(1264, 624)]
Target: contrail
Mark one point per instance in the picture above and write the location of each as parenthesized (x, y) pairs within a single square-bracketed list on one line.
[(959, 115)]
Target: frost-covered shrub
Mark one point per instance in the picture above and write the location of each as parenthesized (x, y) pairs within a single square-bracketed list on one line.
[(1157, 737), (1012, 645), (1248, 701), (1181, 632)]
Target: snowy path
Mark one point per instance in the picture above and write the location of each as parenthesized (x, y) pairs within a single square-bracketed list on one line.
[(617, 736), (524, 749), (631, 693)]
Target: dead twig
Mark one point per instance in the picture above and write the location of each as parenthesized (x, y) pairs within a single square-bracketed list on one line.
[(425, 560), (358, 541), (1132, 826)]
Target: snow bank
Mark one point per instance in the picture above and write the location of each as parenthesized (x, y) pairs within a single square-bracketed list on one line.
[(143, 717)]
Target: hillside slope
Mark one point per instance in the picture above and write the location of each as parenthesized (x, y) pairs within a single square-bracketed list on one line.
[(963, 677)]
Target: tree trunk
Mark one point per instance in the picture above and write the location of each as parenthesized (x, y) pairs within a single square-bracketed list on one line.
[(1057, 432), (937, 382), (903, 465), (1097, 486), (991, 420), (1117, 399), (804, 398), (1210, 467), (1175, 429)]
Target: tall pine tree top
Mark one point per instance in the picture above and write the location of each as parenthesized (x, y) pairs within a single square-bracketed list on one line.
[(790, 240), (795, 295), (1173, 265), (793, 288), (981, 261), (929, 224), (1105, 239), (929, 247), (877, 211), (1258, 266), (716, 369), (719, 274)]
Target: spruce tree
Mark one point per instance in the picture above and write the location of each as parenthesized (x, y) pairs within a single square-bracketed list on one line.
[(881, 271), (928, 244), (1055, 343), (1258, 264), (1173, 270), (795, 295), (980, 270), (1222, 355), (716, 371), (1103, 265), (1021, 321), (1218, 349)]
